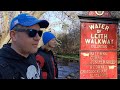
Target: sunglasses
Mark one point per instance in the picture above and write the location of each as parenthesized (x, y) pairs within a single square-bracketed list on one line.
[(30, 32)]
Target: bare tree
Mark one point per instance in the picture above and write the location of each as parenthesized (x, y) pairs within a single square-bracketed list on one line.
[(6, 17)]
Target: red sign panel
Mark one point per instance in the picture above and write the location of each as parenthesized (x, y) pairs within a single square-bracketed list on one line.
[(98, 65), (99, 13), (101, 40), (98, 36)]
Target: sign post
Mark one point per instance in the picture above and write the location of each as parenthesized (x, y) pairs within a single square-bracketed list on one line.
[(98, 46)]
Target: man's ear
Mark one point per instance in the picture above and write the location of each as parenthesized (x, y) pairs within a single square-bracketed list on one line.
[(13, 35)]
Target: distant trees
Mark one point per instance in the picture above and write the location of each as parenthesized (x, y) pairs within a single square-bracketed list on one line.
[(67, 21), (6, 17)]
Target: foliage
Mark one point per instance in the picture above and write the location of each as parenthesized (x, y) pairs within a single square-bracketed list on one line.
[(69, 56), (68, 21)]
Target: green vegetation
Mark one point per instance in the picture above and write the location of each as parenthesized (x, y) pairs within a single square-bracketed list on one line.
[(118, 60), (118, 57), (74, 57), (69, 56)]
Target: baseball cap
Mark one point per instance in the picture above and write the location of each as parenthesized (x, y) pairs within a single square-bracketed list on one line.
[(47, 36), (28, 20)]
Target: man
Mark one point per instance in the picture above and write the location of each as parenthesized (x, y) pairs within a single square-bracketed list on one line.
[(45, 57), (17, 60)]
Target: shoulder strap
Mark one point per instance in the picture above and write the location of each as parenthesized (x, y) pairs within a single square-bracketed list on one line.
[(55, 63)]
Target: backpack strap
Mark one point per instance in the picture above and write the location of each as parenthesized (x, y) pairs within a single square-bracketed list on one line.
[(55, 63)]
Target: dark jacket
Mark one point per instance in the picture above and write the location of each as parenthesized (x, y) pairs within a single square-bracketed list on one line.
[(47, 63), (15, 66)]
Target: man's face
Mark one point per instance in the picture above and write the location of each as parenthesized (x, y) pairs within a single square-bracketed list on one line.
[(25, 43), (52, 43)]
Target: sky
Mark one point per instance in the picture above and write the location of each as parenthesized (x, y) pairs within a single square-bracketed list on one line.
[(56, 20)]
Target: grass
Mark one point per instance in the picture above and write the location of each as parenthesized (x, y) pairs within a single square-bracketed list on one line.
[(118, 60), (69, 56), (74, 57)]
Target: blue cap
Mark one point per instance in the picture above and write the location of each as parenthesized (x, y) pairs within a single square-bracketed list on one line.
[(47, 36), (27, 20)]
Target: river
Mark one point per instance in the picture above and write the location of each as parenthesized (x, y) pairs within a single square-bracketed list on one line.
[(68, 70)]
